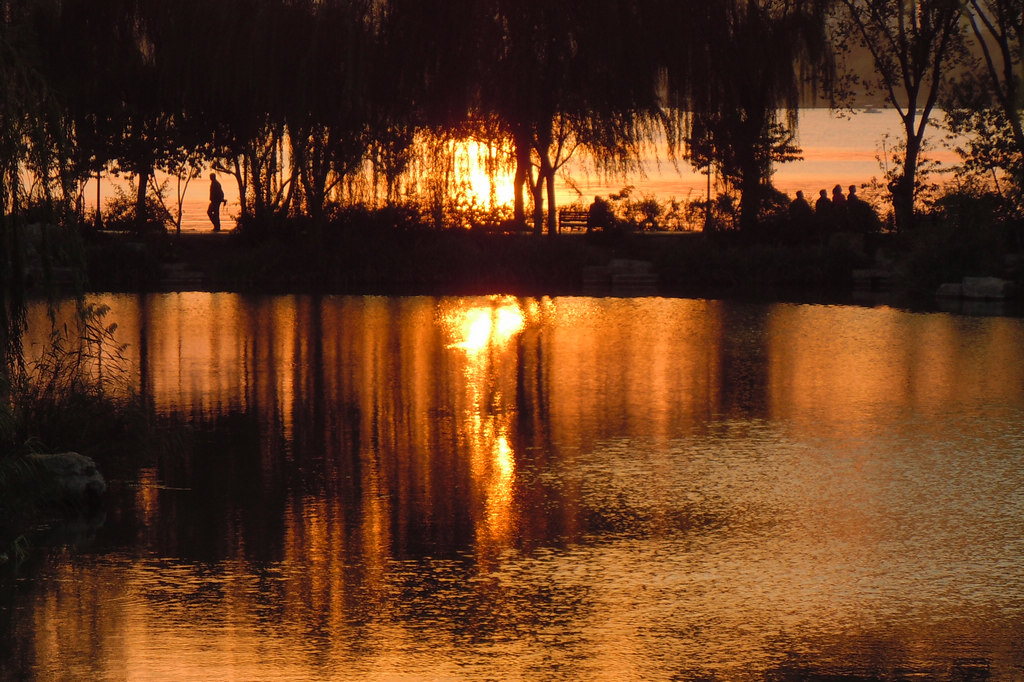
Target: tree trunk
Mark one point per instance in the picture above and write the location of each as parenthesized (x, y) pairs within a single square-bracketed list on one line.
[(141, 214), (256, 175), (903, 188), (751, 170), (548, 174), (750, 200), (523, 178), (99, 208), (243, 188), (537, 188), (519, 201)]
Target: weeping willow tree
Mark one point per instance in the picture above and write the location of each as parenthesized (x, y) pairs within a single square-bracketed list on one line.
[(543, 80), (570, 76), (735, 79), (24, 143)]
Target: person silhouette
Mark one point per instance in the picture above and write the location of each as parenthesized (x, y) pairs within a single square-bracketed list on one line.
[(216, 199), (824, 213), (823, 205), (599, 215), (862, 215), (838, 200), (799, 209), (801, 217)]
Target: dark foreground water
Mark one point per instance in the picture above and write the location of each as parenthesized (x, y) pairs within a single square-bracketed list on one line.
[(536, 489)]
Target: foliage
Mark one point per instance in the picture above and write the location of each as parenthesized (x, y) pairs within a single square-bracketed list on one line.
[(318, 108), (121, 212), (740, 85), (968, 232), (985, 142), (77, 395), (892, 158), (985, 104), (633, 211), (997, 27)]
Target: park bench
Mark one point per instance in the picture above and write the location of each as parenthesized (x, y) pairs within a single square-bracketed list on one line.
[(572, 219)]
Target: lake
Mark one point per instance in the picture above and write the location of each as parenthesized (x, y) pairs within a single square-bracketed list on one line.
[(407, 488)]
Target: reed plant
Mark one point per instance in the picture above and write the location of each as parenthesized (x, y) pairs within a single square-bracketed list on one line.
[(77, 395)]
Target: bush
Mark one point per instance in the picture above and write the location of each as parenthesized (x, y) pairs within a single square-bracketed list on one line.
[(78, 395), (964, 234), (119, 213)]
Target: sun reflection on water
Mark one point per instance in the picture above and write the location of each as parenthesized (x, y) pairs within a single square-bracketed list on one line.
[(474, 328), (569, 488), (484, 330)]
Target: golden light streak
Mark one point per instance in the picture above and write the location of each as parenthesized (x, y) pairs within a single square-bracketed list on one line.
[(484, 186), (476, 328)]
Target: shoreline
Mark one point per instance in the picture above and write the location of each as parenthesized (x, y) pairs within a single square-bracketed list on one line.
[(462, 263)]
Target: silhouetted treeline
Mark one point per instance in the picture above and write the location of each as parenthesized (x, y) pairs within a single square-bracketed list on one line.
[(311, 104), (295, 97)]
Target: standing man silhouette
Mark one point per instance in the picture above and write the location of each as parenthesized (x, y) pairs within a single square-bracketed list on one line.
[(216, 199)]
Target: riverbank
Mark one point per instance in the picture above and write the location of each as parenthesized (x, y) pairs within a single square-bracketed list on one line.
[(464, 262)]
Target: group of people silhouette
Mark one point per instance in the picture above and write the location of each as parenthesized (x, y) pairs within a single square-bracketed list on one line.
[(838, 213)]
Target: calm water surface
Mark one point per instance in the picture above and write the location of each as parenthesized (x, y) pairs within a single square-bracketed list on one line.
[(568, 488)]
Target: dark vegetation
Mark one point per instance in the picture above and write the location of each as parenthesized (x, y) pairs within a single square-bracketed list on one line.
[(336, 121), (315, 109), (78, 396), (356, 259)]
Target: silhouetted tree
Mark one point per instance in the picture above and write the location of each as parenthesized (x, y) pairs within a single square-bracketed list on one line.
[(986, 103), (425, 76), (29, 120), (328, 113), (998, 29), (912, 46), (736, 79), (570, 75), (107, 65)]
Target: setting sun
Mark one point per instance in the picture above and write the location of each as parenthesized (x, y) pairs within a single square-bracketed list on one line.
[(471, 169)]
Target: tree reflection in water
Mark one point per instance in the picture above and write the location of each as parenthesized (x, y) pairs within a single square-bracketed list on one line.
[(559, 488)]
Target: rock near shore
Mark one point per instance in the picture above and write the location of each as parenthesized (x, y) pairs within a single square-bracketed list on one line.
[(73, 478)]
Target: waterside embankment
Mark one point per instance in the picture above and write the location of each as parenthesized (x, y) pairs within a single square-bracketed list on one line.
[(466, 262)]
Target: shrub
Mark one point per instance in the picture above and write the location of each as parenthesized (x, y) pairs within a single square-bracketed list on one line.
[(965, 233), (119, 212), (77, 395)]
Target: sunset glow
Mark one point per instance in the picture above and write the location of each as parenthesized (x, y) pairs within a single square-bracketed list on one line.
[(600, 341), (471, 168), (496, 455), (475, 328)]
